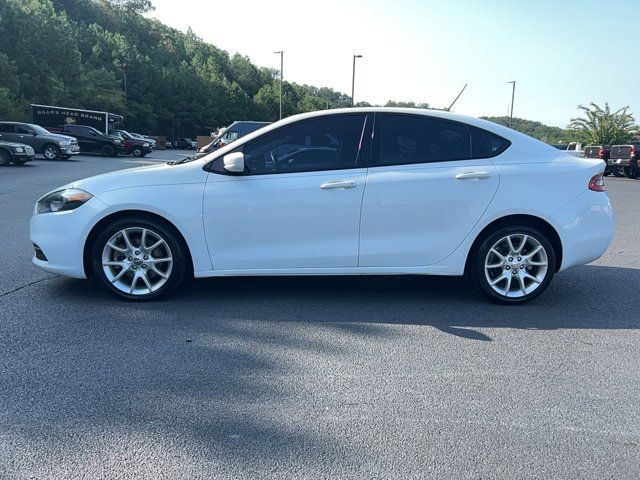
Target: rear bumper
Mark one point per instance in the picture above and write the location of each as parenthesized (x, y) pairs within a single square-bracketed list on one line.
[(633, 162), (586, 226)]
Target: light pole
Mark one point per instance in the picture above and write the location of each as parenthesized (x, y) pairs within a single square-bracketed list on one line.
[(353, 79), (281, 52), (513, 95)]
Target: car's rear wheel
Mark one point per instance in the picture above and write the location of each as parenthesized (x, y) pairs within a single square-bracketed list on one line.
[(513, 265), (630, 172), (51, 152), (139, 259), (108, 151)]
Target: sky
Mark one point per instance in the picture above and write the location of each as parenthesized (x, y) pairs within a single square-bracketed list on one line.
[(560, 53)]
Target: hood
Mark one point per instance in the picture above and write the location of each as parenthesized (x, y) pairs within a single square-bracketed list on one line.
[(149, 175), (58, 136)]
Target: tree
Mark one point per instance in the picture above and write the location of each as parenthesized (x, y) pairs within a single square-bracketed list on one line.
[(392, 103), (602, 126)]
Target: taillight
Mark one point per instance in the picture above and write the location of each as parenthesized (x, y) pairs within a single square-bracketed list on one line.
[(601, 153), (633, 149), (597, 183)]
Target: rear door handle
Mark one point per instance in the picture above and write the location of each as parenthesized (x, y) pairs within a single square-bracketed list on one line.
[(344, 184), (473, 176)]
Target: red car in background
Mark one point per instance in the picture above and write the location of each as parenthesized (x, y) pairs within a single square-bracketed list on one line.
[(132, 145)]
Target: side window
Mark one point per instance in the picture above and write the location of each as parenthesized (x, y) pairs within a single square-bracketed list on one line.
[(325, 143), (230, 137), (6, 127), (23, 130), (410, 139), (486, 144)]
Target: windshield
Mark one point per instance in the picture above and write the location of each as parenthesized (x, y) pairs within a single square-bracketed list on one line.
[(39, 130)]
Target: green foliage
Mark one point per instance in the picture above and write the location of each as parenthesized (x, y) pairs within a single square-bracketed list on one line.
[(392, 103), (601, 126), (545, 133)]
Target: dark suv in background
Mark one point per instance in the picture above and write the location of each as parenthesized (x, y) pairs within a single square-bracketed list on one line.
[(91, 140), (51, 145)]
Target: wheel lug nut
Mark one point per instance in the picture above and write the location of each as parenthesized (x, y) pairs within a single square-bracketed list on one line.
[(508, 267), (519, 259), (129, 258), (521, 267), (144, 267), (134, 267), (146, 257), (137, 252), (511, 259)]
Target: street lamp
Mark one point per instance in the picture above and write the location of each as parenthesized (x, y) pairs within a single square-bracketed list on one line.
[(281, 53), (513, 95), (353, 79)]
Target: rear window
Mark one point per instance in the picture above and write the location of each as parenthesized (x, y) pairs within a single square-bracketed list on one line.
[(486, 144)]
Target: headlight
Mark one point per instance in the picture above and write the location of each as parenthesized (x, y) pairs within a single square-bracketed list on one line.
[(117, 140), (65, 143), (62, 200), (18, 149), (145, 144)]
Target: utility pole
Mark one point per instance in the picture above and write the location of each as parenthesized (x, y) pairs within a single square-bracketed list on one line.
[(513, 96), (281, 53), (353, 80)]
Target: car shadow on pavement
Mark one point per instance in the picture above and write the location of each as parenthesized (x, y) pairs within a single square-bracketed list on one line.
[(588, 297), (248, 373)]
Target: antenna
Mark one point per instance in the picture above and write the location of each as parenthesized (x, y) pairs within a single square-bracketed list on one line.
[(456, 99)]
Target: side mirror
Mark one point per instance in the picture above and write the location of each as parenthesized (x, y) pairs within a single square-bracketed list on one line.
[(234, 162)]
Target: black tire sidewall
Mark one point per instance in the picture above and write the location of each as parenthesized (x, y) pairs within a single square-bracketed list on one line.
[(5, 158), (477, 263), (178, 270), (108, 151)]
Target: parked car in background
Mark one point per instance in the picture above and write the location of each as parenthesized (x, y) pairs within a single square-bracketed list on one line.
[(52, 145), (626, 158), (132, 145), (185, 144), (572, 148), (16, 153), (234, 131), (602, 152), (430, 193), (151, 141), (94, 141)]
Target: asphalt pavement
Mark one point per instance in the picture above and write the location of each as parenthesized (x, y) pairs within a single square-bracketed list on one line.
[(371, 377)]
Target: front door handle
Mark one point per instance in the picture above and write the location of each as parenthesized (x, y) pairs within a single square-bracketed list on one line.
[(343, 184), (473, 176)]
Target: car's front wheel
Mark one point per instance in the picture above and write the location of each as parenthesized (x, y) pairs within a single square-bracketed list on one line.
[(51, 152), (632, 173), (139, 259), (137, 152), (513, 265)]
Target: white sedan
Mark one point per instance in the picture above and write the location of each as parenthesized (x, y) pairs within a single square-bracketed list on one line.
[(372, 191)]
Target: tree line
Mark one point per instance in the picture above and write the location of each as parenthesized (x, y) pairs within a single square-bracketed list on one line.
[(106, 55)]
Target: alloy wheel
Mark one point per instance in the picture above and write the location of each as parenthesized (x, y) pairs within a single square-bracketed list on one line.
[(516, 265), (137, 261)]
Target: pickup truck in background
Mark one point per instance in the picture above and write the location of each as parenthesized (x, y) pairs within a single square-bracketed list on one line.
[(51, 145), (602, 152), (92, 140), (572, 148), (627, 158)]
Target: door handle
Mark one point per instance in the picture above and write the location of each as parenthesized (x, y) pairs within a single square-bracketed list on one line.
[(473, 176), (344, 184)]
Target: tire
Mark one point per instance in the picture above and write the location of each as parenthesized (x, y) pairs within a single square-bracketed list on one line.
[(608, 171), (51, 152), (5, 158), (141, 264), (108, 151), (137, 152), (630, 172), (533, 276), (66, 157)]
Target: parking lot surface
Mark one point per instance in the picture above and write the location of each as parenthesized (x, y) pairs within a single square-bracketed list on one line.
[(356, 377)]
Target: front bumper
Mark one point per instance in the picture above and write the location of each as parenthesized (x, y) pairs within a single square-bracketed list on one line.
[(72, 150), (61, 237), (586, 226), (23, 157)]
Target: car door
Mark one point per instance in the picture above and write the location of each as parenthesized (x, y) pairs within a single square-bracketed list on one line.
[(26, 135), (427, 187), (290, 209), (7, 132)]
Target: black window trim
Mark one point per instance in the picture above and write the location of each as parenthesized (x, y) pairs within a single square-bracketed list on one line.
[(377, 143), (365, 144)]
